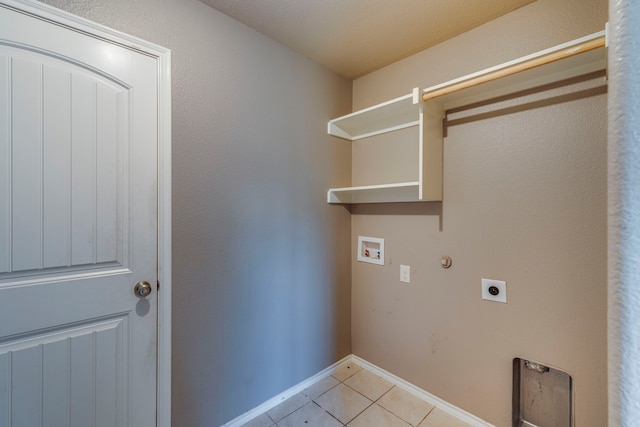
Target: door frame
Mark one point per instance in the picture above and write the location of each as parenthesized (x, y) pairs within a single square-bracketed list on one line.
[(163, 56)]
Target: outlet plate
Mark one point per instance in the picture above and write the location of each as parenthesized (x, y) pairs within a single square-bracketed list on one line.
[(491, 284), (405, 273)]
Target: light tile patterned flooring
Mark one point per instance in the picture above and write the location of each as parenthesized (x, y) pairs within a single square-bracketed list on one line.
[(355, 397)]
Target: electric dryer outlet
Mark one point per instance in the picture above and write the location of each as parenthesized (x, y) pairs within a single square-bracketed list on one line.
[(494, 290)]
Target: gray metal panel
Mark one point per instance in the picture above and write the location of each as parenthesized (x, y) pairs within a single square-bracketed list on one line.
[(542, 396)]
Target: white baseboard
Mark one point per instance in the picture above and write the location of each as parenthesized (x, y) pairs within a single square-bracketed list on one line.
[(399, 382), (422, 394), (278, 399)]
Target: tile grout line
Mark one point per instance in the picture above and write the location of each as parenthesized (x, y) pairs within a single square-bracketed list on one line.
[(329, 413), (343, 383), (428, 413), (373, 402), (406, 421), (347, 385)]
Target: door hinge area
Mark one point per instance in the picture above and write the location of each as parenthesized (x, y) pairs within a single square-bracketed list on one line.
[(158, 285)]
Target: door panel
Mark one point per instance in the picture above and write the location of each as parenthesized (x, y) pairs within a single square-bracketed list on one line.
[(69, 376), (56, 153), (78, 227), (64, 166), (5, 166), (25, 165)]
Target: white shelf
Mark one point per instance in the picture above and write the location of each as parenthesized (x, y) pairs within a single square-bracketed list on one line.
[(427, 108), (399, 113), (400, 192)]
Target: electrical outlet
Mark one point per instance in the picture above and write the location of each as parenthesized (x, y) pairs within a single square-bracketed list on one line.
[(405, 273), (494, 290)]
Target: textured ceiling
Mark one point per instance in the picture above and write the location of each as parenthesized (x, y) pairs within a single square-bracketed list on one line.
[(355, 37)]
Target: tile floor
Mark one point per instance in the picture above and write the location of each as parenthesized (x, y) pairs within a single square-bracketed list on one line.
[(355, 397)]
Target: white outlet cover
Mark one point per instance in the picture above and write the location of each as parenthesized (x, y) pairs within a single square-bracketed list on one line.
[(502, 287), (405, 273)]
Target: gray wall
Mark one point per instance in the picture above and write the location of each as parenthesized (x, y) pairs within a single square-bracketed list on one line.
[(525, 200), (261, 262)]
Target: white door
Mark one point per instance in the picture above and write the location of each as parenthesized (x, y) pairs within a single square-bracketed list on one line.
[(78, 226)]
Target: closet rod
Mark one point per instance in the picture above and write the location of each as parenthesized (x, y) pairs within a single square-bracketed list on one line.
[(516, 68)]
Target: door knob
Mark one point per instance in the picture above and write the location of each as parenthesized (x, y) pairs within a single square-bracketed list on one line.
[(142, 289)]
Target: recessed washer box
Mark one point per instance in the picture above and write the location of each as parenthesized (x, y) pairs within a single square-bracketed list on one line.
[(371, 250)]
